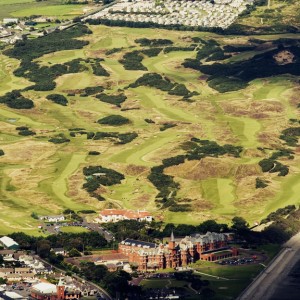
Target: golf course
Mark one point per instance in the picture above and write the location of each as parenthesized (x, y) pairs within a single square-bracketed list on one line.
[(42, 169)]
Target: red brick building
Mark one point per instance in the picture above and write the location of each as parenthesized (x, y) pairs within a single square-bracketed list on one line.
[(150, 256), (48, 291)]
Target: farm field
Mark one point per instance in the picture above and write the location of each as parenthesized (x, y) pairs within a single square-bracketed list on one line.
[(46, 178)]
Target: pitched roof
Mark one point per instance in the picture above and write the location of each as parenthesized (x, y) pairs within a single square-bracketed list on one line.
[(45, 288), (8, 242), (130, 214)]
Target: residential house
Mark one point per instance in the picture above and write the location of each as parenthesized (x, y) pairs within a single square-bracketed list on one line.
[(58, 218), (59, 251)]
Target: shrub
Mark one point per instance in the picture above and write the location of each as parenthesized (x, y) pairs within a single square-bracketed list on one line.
[(266, 165), (26, 132), (153, 42), (151, 52), (16, 100), (166, 126), (290, 136), (260, 183), (58, 99), (114, 120), (59, 139), (133, 61), (112, 99), (97, 176), (98, 70), (93, 90), (94, 153)]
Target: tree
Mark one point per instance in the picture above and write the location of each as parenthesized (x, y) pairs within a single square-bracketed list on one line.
[(74, 253), (43, 248), (239, 224), (3, 280), (25, 241)]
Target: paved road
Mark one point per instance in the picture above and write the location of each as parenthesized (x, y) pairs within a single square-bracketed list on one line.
[(96, 227), (267, 282), (104, 294)]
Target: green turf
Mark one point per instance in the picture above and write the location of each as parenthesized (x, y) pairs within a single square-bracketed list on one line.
[(72, 229), (22, 8)]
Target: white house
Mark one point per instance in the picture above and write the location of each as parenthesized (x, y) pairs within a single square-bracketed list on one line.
[(115, 215), (10, 20), (58, 218)]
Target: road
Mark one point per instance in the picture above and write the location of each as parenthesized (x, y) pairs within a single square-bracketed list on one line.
[(265, 285), (104, 294), (96, 227)]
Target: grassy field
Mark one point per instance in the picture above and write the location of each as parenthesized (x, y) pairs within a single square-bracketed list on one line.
[(25, 8), (46, 178), (72, 229), (279, 12)]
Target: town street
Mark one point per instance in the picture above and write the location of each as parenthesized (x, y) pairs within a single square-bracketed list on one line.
[(104, 294), (272, 277)]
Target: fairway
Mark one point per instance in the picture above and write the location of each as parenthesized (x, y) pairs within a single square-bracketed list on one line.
[(40, 176)]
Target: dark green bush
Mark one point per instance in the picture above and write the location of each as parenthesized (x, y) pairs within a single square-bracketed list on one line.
[(114, 120), (260, 183), (16, 100), (133, 61), (58, 99), (26, 132), (153, 42), (94, 153), (112, 99)]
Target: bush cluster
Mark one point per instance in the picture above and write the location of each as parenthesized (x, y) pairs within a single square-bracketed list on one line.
[(273, 166), (58, 99), (163, 84), (97, 175), (16, 100), (114, 120), (133, 61), (290, 136), (153, 42), (112, 99), (30, 49), (59, 139)]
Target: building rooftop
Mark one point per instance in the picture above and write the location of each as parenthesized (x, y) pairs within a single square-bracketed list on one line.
[(44, 288), (130, 214), (136, 243), (8, 242)]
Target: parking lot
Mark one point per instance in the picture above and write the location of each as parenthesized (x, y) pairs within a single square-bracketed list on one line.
[(238, 261)]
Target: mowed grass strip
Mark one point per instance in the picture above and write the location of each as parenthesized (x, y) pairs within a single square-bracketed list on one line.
[(73, 229)]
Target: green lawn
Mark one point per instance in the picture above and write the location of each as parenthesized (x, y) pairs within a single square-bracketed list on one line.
[(73, 229), (25, 8)]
